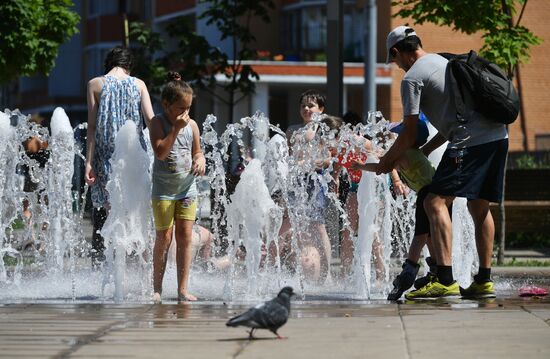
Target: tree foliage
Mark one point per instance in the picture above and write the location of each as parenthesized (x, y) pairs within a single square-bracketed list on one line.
[(31, 32), (232, 18), (506, 43), (149, 65), (197, 60)]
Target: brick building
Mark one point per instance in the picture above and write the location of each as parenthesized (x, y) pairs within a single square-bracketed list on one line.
[(297, 35)]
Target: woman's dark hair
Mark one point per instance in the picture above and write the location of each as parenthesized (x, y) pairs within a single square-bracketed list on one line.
[(352, 118), (175, 88), (314, 95), (118, 56), (408, 44)]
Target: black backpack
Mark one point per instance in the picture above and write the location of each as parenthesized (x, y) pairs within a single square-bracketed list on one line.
[(478, 84)]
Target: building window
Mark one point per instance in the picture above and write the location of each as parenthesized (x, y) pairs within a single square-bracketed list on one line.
[(353, 29), (103, 7), (314, 28), (305, 32), (94, 58), (291, 30), (138, 8)]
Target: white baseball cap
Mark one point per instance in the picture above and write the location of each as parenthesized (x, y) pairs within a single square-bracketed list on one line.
[(396, 35)]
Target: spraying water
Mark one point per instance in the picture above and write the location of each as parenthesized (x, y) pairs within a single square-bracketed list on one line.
[(249, 216), (8, 156), (128, 229), (385, 225), (61, 228), (246, 224)]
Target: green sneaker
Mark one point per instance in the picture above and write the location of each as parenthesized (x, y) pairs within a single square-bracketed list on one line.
[(478, 291), (434, 290)]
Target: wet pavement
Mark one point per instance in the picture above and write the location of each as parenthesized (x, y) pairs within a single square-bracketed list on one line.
[(502, 328)]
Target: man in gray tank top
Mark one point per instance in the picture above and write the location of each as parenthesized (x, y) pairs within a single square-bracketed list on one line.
[(472, 166)]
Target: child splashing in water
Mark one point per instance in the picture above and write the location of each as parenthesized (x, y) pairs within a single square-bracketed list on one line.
[(333, 147), (354, 147), (175, 139)]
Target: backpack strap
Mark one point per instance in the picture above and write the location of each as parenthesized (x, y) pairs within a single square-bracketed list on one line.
[(455, 90), (472, 57), (456, 93), (449, 56)]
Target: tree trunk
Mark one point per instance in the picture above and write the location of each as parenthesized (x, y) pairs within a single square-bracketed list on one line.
[(522, 118)]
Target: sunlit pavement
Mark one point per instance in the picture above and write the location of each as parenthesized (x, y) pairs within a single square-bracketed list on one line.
[(502, 328)]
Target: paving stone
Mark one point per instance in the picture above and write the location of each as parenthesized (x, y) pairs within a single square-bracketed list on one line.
[(510, 327)]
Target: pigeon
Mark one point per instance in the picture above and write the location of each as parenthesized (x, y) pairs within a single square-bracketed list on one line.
[(270, 315)]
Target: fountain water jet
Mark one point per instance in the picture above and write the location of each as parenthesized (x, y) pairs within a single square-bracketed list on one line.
[(128, 229), (59, 192), (271, 176), (8, 156)]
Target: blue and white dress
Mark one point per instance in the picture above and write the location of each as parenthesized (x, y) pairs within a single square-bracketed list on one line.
[(120, 101)]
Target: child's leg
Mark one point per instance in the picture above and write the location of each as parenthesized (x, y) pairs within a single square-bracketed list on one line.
[(205, 243), (320, 234), (160, 257), (311, 264), (417, 244), (26, 209), (283, 249), (406, 278), (285, 224), (185, 215), (346, 247), (163, 214), (378, 256), (184, 256)]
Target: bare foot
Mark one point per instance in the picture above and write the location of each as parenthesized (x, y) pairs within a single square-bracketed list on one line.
[(156, 298), (186, 297), (221, 263)]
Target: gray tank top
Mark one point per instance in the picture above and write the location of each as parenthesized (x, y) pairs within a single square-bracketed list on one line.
[(173, 178)]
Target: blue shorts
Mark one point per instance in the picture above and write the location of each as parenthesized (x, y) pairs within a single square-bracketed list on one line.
[(475, 172)]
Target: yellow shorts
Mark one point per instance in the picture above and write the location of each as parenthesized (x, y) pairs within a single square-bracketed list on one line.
[(164, 211)]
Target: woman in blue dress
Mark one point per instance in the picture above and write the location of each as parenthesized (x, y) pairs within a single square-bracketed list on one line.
[(112, 100)]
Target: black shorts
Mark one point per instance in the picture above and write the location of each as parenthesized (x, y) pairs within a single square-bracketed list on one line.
[(475, 172), (422, 223)]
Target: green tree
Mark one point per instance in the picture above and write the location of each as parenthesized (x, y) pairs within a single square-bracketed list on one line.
[(150, 64), (233, 18), (31, 32), (506, 43), (195, 59)]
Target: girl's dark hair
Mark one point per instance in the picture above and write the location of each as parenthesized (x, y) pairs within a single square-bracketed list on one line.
[(332, 122), (314, 95), (175, 88), (408, 44), (118, 56)]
